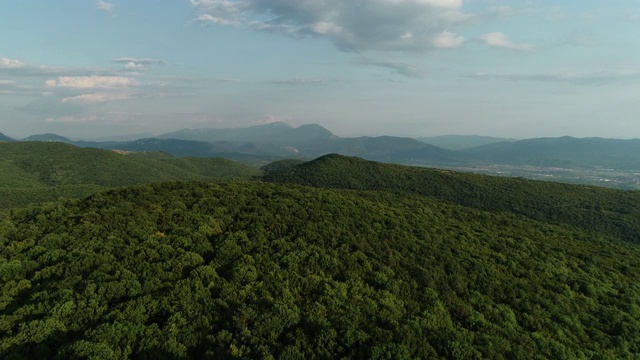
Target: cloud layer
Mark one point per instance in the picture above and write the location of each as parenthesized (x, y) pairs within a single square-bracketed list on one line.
[(87, 82), (351, 25), (501, 40), (136, 64), (104, 6), (72, 92), (594, 78)]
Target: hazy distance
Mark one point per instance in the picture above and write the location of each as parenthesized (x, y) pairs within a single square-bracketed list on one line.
[(418, 68)]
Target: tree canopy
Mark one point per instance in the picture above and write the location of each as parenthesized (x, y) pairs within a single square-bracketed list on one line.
[(264, 270)]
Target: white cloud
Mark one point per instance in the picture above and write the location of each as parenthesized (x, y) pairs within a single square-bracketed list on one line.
[(96, 98), (21, 68), (104, 6), (223, 12), (446, 4), (206, 18), (89, 82), (351, 25), (7, 82), (447, 39), (501, 40), (6, 63), (270, 119), (135, 63)]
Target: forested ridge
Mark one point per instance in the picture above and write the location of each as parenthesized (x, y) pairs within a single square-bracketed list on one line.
[(34, 172), (613, 213)]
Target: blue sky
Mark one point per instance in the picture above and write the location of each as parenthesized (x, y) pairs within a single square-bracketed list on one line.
[(90, 69)]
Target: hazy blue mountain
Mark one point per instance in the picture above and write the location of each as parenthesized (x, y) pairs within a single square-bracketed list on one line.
[(256, 144), (276, 133), (48, 137), (462, 142), (283, 141), (119, 138), (235, 150), (252, 133), (4, 137), (301, 135), (563, 152), (385, 148)]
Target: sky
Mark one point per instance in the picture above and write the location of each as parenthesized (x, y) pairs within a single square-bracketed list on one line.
[(520, 69)]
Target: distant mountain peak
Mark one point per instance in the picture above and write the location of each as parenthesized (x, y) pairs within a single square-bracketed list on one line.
[(312, 126), (274, 124), (251, 133), (49, 137)]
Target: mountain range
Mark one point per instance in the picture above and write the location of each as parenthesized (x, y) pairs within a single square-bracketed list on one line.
[(462, 142), (263, 143), (564, 151)]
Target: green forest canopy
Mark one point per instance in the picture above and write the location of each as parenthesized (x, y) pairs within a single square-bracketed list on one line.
[(259, 270), (34, 172), (611, 212), (374, 261)]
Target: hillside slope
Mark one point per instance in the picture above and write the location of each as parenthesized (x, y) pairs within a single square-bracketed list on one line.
[(612, 212), (41, 171), (4, 137), (258, 270)]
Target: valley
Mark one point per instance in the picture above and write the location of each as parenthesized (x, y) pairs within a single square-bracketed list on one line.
[(613, 178)]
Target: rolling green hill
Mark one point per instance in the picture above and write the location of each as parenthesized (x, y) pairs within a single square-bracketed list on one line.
[(43, 171), (281, 165), (259, 270), (338, 257), (611, 212)]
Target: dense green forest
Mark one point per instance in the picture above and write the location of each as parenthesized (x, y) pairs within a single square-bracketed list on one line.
[(384, 262), (612, 212), (35, 172)]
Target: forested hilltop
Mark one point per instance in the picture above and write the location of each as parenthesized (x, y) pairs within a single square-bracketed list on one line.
[(371, 261), (34, 172), (613, 213)]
